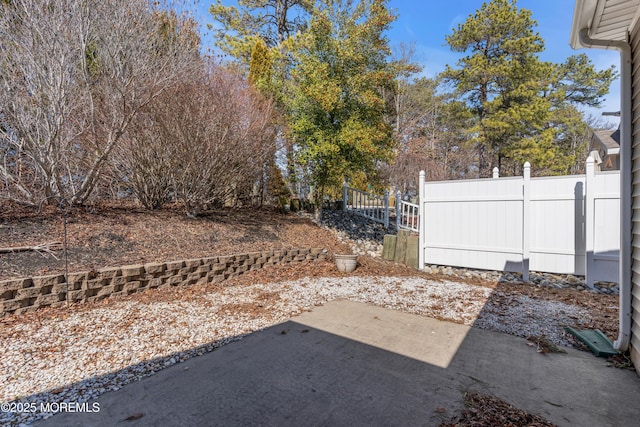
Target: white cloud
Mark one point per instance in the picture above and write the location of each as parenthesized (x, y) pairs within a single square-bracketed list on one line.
[(459, 19), (435, 60)]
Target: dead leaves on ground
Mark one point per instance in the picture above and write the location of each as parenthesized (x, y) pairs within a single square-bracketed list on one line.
[(489, 411), (543, 345)]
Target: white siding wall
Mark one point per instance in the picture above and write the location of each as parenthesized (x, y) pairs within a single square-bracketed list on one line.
[(635, 167)]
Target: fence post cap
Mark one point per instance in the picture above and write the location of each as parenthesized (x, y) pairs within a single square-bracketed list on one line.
[(421, 173), (527, 164)]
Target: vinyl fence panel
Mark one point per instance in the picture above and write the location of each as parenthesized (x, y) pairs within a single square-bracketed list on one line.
[(475, 224), (603, 244), (567, 225), (557, 224)]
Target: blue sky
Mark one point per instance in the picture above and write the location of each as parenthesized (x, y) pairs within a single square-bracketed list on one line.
[(426, 23)]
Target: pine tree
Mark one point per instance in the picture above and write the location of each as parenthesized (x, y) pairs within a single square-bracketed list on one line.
[(518, 101)]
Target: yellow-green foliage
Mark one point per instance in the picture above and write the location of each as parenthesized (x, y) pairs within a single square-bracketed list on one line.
[(338, 111), (260, 68)]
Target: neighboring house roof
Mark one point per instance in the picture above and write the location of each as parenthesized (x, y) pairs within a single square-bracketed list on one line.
[(610, 140), (606, 19)]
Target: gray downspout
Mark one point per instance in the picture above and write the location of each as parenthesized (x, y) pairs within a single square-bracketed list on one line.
[(622, 343)]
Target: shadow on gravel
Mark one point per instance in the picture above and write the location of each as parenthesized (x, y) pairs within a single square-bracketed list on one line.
[(348, 363)]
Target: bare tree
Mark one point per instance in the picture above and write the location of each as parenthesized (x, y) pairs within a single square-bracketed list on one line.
[(74, 74), (201, 142)]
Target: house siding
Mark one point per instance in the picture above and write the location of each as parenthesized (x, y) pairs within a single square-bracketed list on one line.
[(635, 188)]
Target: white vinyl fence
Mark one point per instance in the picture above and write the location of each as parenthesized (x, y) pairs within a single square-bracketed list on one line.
[(407, 214), (566, 224)]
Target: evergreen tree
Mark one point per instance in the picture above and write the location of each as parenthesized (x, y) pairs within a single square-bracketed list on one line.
[(519, 102), (338, 110)]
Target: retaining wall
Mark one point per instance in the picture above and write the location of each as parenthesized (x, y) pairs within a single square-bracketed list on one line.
[(20, 295)]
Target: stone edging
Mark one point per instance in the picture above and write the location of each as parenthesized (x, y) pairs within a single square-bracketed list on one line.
[(20, 295)]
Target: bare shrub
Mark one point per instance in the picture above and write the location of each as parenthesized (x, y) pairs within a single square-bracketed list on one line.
[(203, 142)]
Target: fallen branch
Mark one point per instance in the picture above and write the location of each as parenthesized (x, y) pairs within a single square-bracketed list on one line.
[(42, 249)]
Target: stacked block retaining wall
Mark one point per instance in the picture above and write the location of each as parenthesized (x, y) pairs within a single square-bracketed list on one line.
[(20, 295)]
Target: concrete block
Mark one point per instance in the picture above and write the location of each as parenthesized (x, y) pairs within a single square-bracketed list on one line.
[(15, 284), (44, 300), (193, 277), (186, 271), (174, 281), (76, 295), (193, 263), (155, 283), (75, 279), (60, 288), (203, 269), (217, 278), (41, 281), (119, 281), (132, 270), (109, 273), (95, 284), (11, 305), (155, 268), (389, 247), (218, 268), (226, 259), (28, 293), (107, 290), (131, 287), (174, 265), (8, 294)]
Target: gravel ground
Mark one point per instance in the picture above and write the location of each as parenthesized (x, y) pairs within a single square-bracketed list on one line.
[(78, 354)]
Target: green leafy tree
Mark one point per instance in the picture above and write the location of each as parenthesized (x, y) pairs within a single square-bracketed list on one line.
[(338, 112), (517, 100)]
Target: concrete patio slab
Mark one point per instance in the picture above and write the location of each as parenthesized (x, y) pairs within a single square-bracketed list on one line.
[(348, 364)]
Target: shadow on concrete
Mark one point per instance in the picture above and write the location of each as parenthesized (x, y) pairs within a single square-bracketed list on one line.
[(348, 363)]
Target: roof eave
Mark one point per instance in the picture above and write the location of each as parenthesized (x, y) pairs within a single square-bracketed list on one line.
[(583, 13)]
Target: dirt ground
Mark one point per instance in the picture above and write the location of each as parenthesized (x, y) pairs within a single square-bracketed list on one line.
[(109, 236)]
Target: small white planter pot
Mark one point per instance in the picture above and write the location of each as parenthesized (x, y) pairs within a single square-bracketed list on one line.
[(346, 263)]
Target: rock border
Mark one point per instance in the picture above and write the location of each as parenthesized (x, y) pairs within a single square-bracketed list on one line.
[(20, 295)]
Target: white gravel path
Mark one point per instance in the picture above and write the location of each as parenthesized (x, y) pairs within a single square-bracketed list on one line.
[(81, 355)]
